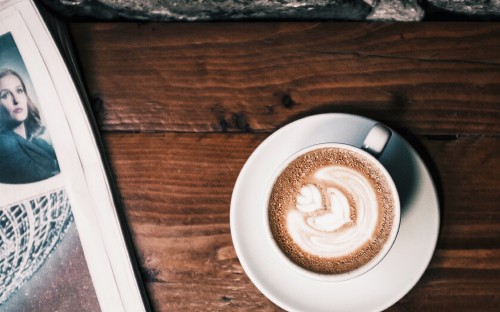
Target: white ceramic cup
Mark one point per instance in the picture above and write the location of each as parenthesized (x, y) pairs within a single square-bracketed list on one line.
[(372, 147)]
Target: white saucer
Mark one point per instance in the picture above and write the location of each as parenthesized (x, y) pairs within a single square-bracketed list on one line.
[(376, 290)]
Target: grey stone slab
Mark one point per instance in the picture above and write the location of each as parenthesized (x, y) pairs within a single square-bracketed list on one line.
[(217, 10), (396, 10), (478, 8), (203, 10)]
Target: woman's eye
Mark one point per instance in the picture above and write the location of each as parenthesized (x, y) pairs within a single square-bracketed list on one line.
[(20, 91), (3, 96)]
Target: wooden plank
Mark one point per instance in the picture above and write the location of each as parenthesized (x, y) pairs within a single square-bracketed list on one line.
[(453, 290), (176, 189), (432, 78)]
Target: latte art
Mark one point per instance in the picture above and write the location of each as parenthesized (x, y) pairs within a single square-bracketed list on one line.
[(341, 223), (327, 220), (331, 210)]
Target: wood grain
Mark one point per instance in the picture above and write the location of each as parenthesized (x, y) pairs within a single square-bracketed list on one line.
[(431, 78), (176, 189), (183, 105)]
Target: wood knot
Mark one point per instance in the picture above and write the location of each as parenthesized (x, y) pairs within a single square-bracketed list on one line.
[(151, 275), (287, 101), (97, 106), (241, 121)]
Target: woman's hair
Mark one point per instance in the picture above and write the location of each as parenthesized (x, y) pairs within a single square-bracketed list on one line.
[(33, 122)]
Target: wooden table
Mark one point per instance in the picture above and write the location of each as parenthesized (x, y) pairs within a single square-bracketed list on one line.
[(181, 106)]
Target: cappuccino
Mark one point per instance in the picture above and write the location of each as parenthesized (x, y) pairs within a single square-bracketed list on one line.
[(332, 210)]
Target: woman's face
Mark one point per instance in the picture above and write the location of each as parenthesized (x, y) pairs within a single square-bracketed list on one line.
[(13, 99)]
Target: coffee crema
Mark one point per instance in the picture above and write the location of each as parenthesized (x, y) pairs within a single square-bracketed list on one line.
[(331, 210)]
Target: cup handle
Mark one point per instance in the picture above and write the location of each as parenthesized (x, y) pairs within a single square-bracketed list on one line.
[(377, 139)]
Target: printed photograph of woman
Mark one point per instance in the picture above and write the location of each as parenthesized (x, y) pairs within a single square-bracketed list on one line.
[(25, 157), (42, 264)]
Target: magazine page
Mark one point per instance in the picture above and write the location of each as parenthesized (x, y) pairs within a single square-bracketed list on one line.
[(61, 244)]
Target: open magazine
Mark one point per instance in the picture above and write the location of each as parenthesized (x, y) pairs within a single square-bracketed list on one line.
[(62, 243)]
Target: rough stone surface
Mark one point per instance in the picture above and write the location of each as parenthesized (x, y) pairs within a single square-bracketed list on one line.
[(396, 10), (479, 8), (216, 10), (191, 10)]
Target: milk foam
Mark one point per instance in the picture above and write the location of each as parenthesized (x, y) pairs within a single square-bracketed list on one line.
[(332, 210), (336, 213)]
